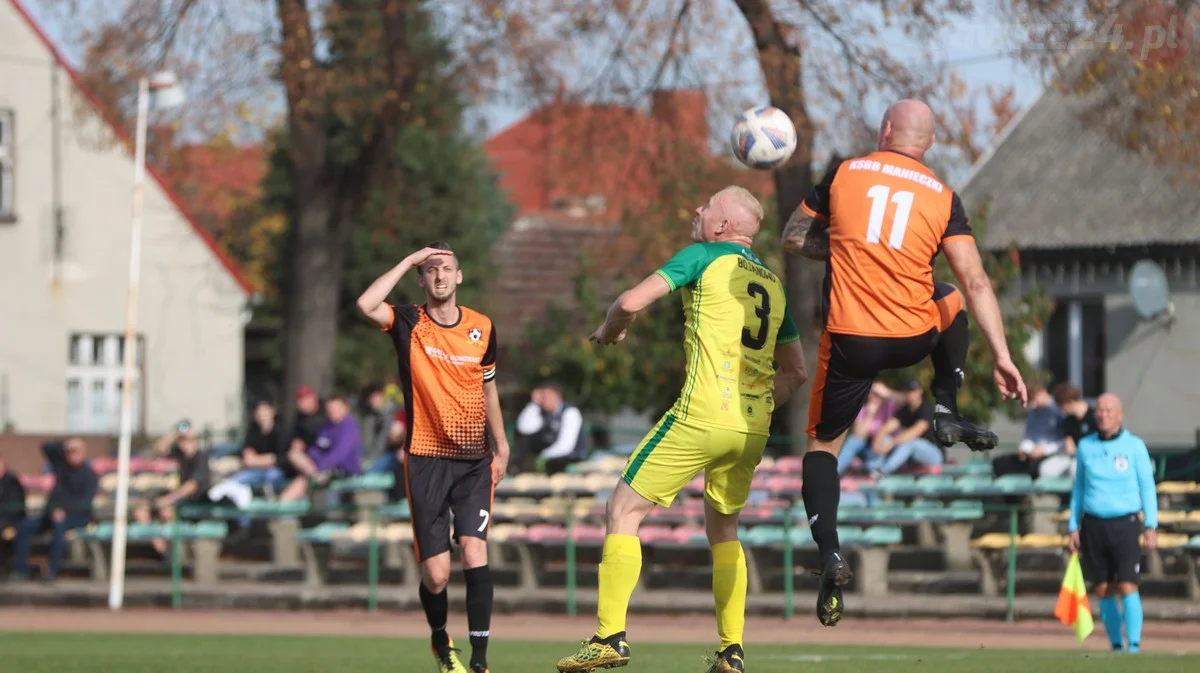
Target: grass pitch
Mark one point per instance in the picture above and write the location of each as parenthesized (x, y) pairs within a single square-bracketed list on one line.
[(101, 653)]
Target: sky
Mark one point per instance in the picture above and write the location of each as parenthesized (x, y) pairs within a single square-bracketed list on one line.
[(977, 47)]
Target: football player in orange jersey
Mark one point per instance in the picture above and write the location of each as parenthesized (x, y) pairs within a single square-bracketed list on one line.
[(877, 222)]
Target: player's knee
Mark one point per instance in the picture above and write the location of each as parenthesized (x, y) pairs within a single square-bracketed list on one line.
[(435, 577), (1102, 590), (474, 552), (625, 509), (719, 529), (1126, 588)]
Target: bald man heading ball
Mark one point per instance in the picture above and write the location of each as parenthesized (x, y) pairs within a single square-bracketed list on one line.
[(737, 329), (877, 222)]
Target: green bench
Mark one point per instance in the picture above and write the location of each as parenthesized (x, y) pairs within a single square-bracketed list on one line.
[(282, 520), (200, 541)]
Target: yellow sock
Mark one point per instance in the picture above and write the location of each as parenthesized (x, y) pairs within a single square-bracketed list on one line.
[(729, 591), (619, 569)]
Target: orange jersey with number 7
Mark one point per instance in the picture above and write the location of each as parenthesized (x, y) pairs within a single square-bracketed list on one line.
[(888, 217)]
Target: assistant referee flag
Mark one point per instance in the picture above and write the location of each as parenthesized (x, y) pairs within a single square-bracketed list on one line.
[(1072, 608)]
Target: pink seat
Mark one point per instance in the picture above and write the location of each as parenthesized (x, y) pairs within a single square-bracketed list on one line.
[(104, 465), (654, 533), (789, 465)]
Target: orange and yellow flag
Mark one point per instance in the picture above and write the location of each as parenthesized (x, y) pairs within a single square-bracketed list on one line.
[(1072, 608)]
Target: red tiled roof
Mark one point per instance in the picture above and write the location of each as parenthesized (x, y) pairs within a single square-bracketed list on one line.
[(120, 133), (618, 154)]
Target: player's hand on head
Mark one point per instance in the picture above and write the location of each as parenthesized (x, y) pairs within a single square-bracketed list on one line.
[(421, 256)]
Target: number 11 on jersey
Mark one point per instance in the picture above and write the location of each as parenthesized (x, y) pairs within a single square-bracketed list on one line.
[(879, 203)]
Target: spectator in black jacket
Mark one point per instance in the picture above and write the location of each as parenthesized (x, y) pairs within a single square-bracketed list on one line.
[(68, 507), (12, 509)]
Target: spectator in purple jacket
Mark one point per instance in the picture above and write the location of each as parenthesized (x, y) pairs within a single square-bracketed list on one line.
[(335, 454), (879, 408)]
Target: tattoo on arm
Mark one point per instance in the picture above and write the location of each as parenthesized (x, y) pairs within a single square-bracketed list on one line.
[(806, 236)]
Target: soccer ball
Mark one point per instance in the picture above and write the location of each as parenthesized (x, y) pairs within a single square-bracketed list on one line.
[(763, 137)]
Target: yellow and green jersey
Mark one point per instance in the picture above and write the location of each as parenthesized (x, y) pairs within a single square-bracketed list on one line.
[(736, 312)]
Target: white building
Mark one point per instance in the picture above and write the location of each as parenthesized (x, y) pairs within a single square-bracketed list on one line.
[(66, 179)]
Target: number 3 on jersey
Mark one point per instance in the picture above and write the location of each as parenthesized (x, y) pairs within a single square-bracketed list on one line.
[(879, 203), (763, 312)]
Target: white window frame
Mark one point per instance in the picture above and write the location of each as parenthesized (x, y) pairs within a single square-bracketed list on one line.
[(8, 171), (95, 374)]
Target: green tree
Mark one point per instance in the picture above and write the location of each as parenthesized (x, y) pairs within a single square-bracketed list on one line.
[(1024, 314), (439, 186)]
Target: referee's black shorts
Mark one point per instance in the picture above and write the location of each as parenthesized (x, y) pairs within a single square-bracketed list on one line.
[(1110, 550)]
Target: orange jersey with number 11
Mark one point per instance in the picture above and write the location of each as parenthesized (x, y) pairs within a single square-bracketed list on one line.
[(888, 217)]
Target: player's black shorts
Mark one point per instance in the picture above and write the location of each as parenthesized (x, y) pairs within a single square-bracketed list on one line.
[(438, 487), (1110, 550), (848, 365)]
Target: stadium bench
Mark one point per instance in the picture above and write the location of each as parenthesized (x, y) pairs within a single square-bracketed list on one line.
[(872, 545), (282, 520), (201, 541), (954, 521)]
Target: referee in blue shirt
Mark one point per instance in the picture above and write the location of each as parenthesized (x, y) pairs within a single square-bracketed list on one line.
[(1114, 482)]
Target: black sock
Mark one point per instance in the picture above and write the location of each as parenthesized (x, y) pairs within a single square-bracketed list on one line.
[(949, 358), (437, 608), (479, 611), (822, 490)]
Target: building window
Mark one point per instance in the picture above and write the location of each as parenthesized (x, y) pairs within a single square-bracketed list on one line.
[(1075, 344), (8, 147), (94, 376)]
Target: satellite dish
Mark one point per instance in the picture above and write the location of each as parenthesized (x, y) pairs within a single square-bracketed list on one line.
[(1149, 290)]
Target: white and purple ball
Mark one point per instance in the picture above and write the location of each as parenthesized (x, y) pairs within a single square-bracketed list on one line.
[(763, 137)]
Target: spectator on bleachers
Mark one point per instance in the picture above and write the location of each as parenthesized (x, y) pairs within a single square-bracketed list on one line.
[(261, 451), (12, 508), (335, 454), (183, 446), (550, 432), (1043, 436), (310, 418), (262, 459), (1079, 420), (374, 422), (908, 436), (397, 433), (69, 505), (879, 408)]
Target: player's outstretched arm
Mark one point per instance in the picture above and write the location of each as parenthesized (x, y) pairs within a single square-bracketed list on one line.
[(627, 306), (806, 235), (373, 302), (964, 260), (792, 372)]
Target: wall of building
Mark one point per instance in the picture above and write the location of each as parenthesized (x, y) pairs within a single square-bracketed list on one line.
[(1154, 367), (189, 307)]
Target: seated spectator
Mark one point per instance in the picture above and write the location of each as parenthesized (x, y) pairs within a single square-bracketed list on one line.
[(68, 507), (262, 458), (335, 454), (261, 455), (1042, 439), (183, 446), (397, 435), (908, 436), (1079, 420), (375, 424), (879, 408), (12, 508), (550, 431)]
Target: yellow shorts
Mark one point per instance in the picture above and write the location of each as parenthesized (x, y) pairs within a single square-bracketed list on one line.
[(674, 452)]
